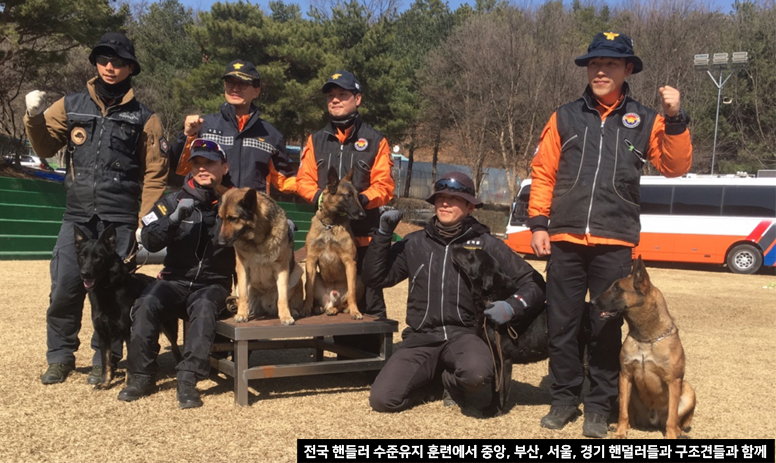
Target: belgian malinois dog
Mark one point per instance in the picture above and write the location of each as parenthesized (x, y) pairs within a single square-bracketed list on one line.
[(269, 282), (651, 359), (112, 292), (332, 282)]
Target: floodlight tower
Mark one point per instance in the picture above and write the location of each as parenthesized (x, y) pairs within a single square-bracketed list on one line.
[(721, 62)]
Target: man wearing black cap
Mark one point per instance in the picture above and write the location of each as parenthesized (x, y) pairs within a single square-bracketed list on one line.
[(440, 338), (115, 156), (348, 143), (584, 215), (195, 281), (255, 149)]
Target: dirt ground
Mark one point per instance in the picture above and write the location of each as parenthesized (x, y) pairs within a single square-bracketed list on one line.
[(727, 324)]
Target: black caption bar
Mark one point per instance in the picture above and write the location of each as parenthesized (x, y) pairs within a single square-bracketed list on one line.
[(474, 451)]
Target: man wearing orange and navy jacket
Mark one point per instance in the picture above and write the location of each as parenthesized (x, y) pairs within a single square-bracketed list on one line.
[(349, 143), (255, 149), (584, 214)]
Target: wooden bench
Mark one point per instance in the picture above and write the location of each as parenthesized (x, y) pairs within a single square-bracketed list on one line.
[(312, 332)]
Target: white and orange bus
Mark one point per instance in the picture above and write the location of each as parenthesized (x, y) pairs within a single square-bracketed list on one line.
[(700, 219)]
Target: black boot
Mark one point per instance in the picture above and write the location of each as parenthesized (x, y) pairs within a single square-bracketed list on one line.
[(56, 373), (138, 386), (188, 395)]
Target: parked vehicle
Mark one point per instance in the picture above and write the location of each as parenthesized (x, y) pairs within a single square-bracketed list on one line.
[(698, 219)]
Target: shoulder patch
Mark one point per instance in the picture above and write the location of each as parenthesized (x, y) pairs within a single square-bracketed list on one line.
[(164, 145), (149, 218)]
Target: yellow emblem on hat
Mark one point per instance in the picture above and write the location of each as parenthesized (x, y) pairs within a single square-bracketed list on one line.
[(336, 76), (239, 65), (611, 35)]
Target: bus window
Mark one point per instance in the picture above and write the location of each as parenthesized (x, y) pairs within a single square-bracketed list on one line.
[(749, 201), (656, 199), (697, 200)]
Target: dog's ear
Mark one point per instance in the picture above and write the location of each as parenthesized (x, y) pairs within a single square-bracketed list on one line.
[(248, 204), (640, 276), (79, 236), (333, 180), (349, 176), (108, 237)]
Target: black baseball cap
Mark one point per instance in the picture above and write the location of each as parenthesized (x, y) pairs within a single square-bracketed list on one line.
[(342, 79), (611, 45), (118, 44), (455, 184), (207, 149), (243, 70)]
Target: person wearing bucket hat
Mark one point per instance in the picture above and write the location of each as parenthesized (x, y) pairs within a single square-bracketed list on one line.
[(195, 281), (116, 161), (584, 215), (440, 348), (256, 150), (348, 143)]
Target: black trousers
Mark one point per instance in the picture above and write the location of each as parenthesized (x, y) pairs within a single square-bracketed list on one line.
[(465, 365), (573, 270), (66, 300), (199, 304)]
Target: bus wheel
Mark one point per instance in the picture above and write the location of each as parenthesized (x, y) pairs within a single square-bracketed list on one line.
[(744, 258)]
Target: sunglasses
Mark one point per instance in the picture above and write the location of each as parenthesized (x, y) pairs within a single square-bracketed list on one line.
[(240, 84), (117, 62), (452, 185), (201, 143)]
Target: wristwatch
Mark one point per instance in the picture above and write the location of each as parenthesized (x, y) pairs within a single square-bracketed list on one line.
[(681, 117)]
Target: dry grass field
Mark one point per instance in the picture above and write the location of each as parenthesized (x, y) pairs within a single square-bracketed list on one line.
[(727, 324)]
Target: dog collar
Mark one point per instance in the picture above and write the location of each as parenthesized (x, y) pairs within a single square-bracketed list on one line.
[(666, 334)]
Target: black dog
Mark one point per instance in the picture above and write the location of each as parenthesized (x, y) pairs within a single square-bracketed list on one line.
[(112, 292), (489, 283)]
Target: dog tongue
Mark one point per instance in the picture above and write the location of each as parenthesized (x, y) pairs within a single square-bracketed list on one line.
[(88, 283)]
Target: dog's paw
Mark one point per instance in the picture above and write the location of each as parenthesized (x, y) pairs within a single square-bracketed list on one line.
[(356, 315), (318, 310), (618, 435), (240, 318), (683, 435), (287, 321), (332, 311)]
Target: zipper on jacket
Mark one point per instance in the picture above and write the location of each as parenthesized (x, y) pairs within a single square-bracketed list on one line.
[(595, 177), (428, 290), (204, 251), (415, 276), (94, 169), (444, 268)]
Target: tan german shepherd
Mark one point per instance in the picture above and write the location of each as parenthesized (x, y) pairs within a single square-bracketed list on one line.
[(651, 359), (332, 283), (269, 282)]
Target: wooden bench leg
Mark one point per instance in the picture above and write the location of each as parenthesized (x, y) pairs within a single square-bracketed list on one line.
[(240, 368)]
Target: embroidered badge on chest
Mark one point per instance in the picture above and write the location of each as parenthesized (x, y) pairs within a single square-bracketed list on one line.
[(361, 144), (631, 120), (78, 136), (473, 244)]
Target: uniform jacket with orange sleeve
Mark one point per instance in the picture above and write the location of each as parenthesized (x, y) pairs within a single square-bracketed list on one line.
[(585, 174), (361, 148), (255, 149)]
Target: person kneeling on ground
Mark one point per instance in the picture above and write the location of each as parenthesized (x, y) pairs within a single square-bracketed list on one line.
[(441, 335), (195, 281)]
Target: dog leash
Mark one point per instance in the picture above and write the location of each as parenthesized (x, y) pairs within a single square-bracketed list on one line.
[(498, 364)]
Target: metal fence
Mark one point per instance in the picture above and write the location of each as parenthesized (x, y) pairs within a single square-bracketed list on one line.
[(494, 188)]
